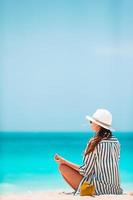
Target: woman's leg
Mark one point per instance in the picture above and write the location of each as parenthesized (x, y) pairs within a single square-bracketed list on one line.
[(71, 176)]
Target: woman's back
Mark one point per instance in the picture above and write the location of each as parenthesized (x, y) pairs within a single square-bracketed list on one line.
[(101, 168), (106, 168)]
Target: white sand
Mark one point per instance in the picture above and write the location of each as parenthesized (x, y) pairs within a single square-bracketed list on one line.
[(59, 195)]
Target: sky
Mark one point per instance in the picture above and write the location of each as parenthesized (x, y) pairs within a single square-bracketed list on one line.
[(61, 60)]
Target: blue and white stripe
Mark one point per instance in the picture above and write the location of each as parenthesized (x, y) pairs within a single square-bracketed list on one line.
[(101, 167)]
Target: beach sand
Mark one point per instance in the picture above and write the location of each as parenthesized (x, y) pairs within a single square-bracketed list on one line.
[(60, 195)]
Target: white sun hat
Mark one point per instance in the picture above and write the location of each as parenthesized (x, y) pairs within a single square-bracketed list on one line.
[(103, 118)]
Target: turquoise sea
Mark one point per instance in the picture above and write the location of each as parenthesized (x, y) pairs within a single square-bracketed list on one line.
[(27, 164)]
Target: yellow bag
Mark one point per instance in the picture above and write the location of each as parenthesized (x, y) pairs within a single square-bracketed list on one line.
[(87, 189)]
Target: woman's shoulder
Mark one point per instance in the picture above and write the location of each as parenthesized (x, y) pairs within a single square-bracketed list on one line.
[(112, 139), (106, 144)]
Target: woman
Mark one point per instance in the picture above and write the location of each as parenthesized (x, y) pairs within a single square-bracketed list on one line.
[(100, 160)]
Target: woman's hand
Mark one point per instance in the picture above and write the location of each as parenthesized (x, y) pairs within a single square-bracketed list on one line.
[(58, 159)]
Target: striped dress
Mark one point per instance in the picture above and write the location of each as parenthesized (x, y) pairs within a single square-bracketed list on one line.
[(100, 167)]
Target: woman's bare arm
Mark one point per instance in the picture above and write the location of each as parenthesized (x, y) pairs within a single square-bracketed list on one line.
[(61, 160), (70, 164)]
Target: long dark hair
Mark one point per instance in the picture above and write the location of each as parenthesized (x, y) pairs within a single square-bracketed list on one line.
[(103, 133)]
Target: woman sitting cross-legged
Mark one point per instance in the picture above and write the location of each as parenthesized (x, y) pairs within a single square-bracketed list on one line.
[(100, 161)]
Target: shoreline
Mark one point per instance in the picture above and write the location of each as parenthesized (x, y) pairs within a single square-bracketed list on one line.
[(60, 195)]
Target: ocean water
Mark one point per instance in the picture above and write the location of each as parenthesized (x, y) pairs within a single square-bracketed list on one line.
[(27, 164)]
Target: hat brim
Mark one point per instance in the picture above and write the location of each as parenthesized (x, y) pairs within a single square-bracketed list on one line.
[(89, 118)]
